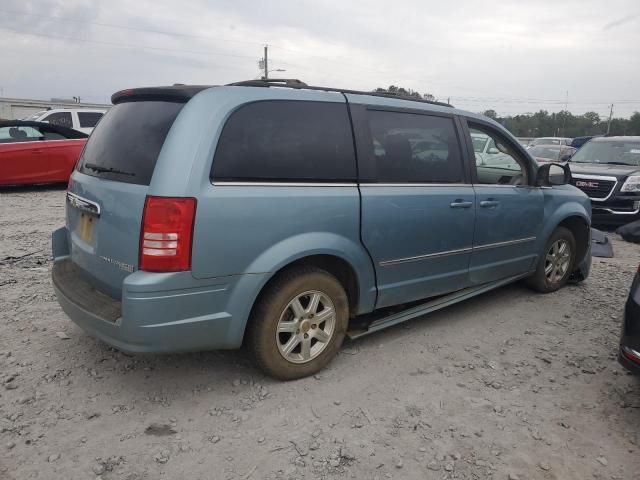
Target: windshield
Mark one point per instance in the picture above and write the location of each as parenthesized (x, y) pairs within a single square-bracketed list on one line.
[(545, 152), (622, 153)]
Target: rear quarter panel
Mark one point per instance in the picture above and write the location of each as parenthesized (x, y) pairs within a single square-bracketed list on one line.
[(260, 229), (242, 230)]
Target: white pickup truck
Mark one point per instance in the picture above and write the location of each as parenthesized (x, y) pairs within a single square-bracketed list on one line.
[(81, 119)]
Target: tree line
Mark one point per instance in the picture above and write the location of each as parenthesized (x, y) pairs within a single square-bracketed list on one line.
[(566, 124), (543, 123)]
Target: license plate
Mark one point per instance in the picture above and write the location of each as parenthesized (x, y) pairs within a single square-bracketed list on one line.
[(85, 227)]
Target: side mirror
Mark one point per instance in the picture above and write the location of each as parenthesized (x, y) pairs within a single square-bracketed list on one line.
[(493, 151), (566, 157), (551, 174)]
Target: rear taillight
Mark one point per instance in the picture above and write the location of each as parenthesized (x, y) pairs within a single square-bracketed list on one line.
[(165, 237), (631, 354)]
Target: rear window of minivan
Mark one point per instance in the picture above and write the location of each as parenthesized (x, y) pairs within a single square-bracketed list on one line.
[(127, 141)]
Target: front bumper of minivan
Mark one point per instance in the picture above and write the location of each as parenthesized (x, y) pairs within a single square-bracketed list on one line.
[(158, 312)]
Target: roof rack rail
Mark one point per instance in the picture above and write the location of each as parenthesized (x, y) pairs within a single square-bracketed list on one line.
[(295, 83), (280, 82)]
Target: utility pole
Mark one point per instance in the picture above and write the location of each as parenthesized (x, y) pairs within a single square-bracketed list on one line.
[(609, 122), (266, 63), (263, 64), (566, 112)]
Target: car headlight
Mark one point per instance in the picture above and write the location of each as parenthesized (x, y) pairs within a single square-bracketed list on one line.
[(631, 184)]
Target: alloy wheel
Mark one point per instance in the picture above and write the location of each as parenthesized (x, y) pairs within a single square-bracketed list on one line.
[(557, 261), (306, 326)]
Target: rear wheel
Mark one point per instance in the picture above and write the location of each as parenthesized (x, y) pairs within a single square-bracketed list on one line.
[(299, 323), (556, 265)]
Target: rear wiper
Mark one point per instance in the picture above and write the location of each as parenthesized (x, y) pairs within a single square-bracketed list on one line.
[(100, 168)]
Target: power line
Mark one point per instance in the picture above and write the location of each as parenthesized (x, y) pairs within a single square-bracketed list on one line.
[(540, 101), (187, 35), (124, 45), (126, 27), (506, 101)]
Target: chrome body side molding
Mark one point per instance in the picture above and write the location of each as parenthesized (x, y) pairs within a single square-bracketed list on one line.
[(446, 253)]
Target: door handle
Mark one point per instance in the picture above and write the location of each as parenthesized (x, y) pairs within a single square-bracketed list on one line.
[(461, 204), (489, 203), (36, 151)]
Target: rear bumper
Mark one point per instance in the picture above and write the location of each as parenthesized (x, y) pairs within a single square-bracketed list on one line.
[(629, 359), (158, 312)]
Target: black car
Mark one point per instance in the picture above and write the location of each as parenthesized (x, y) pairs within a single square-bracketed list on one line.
[(607, 169), (629, 354)]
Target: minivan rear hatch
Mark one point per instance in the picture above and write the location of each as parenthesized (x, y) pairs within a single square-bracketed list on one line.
[(107, 192)]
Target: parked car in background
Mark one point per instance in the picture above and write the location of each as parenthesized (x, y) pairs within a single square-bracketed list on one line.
[(607, 169), (486, 151), (578, 142), (246, 216), (80, 119), (551, 153), (35, 152), (629, 354), (550, 141)]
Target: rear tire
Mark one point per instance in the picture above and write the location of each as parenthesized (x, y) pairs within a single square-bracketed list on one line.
[(298, 323), (556, 264)]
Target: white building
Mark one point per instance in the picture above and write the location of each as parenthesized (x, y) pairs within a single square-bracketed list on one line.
[(17, 108)]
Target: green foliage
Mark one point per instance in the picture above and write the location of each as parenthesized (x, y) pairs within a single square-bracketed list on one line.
[(543, 123), (565, 124), (404, 92), (492, 114)]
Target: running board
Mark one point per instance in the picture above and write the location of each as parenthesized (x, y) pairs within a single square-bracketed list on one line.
[(428, 307)]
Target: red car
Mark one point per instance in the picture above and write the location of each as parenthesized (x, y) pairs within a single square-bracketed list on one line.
[(37, 152)]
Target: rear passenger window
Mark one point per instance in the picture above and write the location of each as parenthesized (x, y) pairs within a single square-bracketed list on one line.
[(60, 118), (19, 134), (415, 148), (286, 141), (89, 119)]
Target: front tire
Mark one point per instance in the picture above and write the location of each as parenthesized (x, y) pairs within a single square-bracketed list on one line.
[(555, 266), (299, 323)]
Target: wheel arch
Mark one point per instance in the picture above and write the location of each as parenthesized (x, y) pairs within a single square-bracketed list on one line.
[(577, 219), (342, 257), (581, 231), (341, 269)]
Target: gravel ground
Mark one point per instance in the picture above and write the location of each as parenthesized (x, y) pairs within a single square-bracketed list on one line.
[(508, 385)]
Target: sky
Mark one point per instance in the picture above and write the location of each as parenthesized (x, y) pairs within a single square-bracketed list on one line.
[(514, 57)]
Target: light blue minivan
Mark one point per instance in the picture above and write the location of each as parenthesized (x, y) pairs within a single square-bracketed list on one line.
[(285, 217)]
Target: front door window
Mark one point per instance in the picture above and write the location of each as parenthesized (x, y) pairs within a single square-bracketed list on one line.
[(496, 162)]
